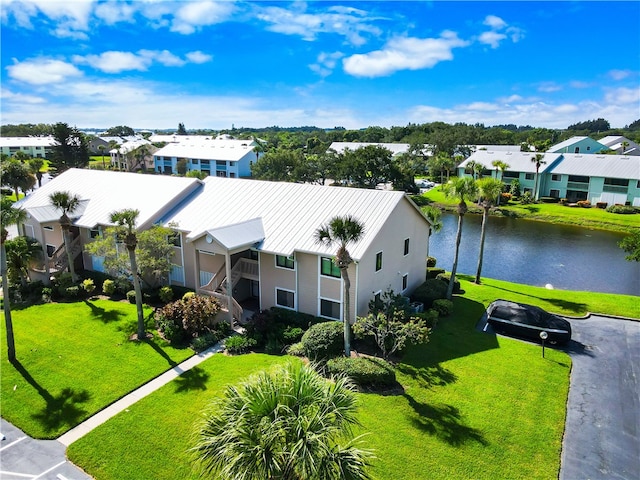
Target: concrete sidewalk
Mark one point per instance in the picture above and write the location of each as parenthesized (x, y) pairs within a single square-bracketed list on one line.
[(128, 400)]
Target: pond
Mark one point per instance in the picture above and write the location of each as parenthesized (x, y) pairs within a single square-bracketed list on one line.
[(537, 253)]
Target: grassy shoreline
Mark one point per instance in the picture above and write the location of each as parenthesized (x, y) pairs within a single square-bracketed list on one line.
[(594, 218)]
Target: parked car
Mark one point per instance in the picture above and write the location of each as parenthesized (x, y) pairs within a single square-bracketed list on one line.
[(522, 320), (424, 184)]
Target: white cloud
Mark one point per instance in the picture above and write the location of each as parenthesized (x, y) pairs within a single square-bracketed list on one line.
[(623, 96), (494, 22), (619, 74), (193, 15), (579, 84), (115, 61), (351, 23), (19, 98), (492, 38), (326, 63), (548, 87), (71, 17), (198, 57), (42, 71), (113, 12), (404, 53)]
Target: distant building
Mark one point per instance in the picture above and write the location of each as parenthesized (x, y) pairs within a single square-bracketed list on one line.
[(577, 145), (35, 147), (217, 157), (130, 157), (598, 178), (621, 145)]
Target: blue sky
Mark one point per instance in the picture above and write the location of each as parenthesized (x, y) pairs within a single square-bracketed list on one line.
[(153, 64)]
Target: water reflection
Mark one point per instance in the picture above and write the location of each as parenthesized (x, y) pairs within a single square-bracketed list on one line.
[(536, 253)]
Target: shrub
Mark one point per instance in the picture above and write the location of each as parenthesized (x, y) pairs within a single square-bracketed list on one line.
[(621, 209), (434, 272), (443, 306), (514, 190), (46, 294), (505, 197), (429, 316), (323, 340), (123, 286), (131, 296), (188, 295), (549, 199), (195, 315), (445, 277), (431, 262), (60, 285), (297, 350), (72, 292), (165, 294), (239, 343), (205, 341), (88, 285), (269, 327), (432, 289), (584, 203), (292, 334), (171, 331), (563, 201), (526, 198), (602, 205), (109, 287), (366, 372)]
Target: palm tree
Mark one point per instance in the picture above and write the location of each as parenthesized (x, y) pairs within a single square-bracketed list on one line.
[(102, 149), (461, 188), (341, 231), (434, 215), (8, 216), (500, 165), (287, 424), (625, 144), (19, 253), (127, 219), (489, 190), (67, 203), (538, 160), (35, 168)]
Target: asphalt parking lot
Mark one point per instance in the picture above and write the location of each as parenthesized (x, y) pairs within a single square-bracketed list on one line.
[(602, 432), (22, 457)]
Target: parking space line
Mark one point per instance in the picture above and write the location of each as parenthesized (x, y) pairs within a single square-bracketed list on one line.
[(61, 477), (12, 443), (51, 469), (15, 474)]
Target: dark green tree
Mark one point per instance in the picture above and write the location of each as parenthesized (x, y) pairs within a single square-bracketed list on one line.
[(181, 129), (16, 175), (631, 245), (120, 131), (69, 151)]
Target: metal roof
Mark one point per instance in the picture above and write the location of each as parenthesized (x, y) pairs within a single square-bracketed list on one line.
[(241, 234), (108, 192), (290, 213), (232, 150), (517, 161), (594, 165), (567, 143), (27, 141), (395, 148)]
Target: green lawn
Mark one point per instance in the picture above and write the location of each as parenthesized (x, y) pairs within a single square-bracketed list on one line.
[(472, 405), (551, 213), (74, 360)]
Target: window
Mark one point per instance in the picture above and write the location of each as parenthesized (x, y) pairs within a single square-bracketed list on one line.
[(576, 150), (48, 227), (329, 309), (284, 262), (195, 161), (528, 176), (405, 281), (94, 233), (50, 250), (554, 193), (328, 268), (221, 163), (509, 174), (406, 247), (555, 177), (175, 239), (378, 261), (620, 182), (285, 298), (578, 179), (638, 184)]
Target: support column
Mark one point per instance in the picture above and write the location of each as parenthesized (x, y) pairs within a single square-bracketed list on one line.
[(227, 259)]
